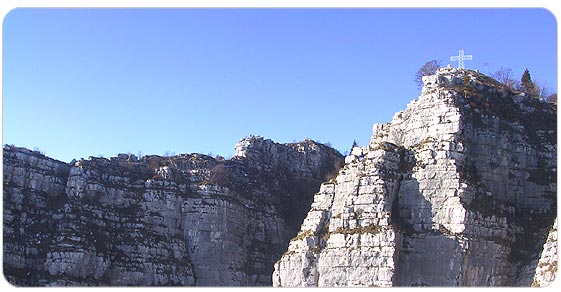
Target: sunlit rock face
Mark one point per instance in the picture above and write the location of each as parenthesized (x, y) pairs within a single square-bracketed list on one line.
[(459, 189), (189, 219), (546, 269)]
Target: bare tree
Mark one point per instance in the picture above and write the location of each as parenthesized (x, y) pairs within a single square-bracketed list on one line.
[(219, 175), (504, 76), (37, 150), (429, 68), (552, 98), (542, 91)]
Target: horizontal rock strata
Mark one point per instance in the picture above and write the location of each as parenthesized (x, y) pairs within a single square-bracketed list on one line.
[(189, 219), (459, 189)]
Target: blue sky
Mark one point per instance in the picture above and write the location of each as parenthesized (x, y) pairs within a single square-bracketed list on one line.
[(81, 82)]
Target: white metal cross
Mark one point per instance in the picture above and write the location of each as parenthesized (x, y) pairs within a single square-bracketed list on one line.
[(460, 58)]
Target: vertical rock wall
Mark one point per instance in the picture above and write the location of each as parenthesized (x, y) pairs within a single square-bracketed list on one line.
[(347, 238), (469, 190), (34, 187), (184, 220), (458, 190)]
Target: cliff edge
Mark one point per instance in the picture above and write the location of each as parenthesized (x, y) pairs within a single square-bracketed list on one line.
[(189, 219), (459, 189)]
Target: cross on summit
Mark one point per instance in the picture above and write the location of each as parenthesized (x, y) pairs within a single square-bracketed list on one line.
[(460, 58)]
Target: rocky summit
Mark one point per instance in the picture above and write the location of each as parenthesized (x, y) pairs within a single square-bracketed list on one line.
[(189, 219), (459, 189)]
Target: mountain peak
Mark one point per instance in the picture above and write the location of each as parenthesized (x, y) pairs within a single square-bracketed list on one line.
[(459, 189)]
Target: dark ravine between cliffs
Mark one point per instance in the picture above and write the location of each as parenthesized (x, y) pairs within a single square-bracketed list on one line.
[(189, 219), (459, 189)]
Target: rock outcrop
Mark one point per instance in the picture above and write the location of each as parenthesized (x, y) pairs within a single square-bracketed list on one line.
[(547, 264), (459, 189), (189, 219)]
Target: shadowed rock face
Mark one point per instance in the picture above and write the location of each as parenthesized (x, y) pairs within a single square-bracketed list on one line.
[(459, 189), (184, 220)]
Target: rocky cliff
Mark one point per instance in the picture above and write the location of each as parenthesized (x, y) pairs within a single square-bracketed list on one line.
[(189, 219), (459, 189)]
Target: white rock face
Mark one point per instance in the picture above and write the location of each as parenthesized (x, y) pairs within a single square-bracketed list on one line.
[(184, 220), (347, 239), (547, 265), (455, 191)]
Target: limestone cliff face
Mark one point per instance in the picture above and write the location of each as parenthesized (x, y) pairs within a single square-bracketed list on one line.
[(547, 264), (185, 220), (459, 189)]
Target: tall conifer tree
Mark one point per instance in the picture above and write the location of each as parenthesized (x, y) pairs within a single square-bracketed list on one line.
[(526, 83)]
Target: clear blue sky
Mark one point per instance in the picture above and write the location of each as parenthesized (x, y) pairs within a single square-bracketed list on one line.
[(81, 82)]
